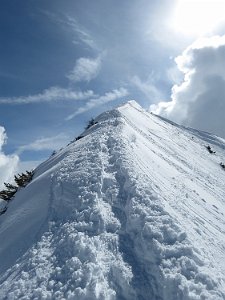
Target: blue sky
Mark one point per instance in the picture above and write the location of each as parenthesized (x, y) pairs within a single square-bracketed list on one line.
[(63, 62)]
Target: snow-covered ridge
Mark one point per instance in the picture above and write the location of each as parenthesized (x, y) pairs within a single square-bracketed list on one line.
[(133, 210)]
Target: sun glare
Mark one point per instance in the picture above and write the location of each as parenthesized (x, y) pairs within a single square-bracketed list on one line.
[(198, 17)]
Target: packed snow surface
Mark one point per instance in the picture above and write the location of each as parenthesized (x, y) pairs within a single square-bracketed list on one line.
[(133, 210)]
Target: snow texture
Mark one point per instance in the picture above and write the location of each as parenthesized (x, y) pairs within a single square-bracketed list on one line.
[(133, 210)]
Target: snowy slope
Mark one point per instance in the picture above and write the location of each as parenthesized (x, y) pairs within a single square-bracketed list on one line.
[(133, 210)]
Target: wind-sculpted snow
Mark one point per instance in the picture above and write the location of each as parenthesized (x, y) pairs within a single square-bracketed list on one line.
[(133, 210)]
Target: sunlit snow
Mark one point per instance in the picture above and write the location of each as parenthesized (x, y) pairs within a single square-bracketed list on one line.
[(133, 210)]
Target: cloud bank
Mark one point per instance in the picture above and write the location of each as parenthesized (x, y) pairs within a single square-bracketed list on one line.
[(8, 163), (199, 101)]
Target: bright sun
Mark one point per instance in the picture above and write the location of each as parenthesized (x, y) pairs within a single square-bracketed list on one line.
[(198, 17)]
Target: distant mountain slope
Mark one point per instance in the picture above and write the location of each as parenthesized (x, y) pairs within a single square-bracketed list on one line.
[(133, 210)]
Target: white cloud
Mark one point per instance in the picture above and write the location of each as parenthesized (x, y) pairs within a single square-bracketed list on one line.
[(45, 143), (71, 23), (199, 101), (8, 163), (147, 88), (48, 95), (110, 96), (83, 34), (85, 69)]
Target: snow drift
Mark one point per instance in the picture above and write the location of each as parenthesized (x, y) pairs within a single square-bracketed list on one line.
[(133, 210)]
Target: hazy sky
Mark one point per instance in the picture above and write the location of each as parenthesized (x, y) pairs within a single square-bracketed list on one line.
[(63, 62)]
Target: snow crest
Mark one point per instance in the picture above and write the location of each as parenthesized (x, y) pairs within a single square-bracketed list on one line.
[(133, 210)]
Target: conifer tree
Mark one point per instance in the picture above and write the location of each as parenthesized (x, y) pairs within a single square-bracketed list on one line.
[(90, 123), (21, 180)]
